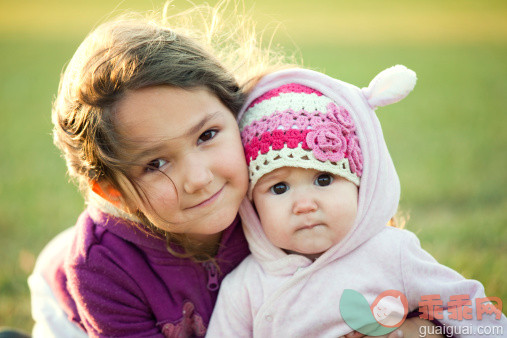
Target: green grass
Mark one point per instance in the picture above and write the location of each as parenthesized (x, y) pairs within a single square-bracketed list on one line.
[(36, 201), (447, 138)]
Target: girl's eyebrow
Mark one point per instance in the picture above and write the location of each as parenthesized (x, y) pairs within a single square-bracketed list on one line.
[(159, 145), (197, 127)]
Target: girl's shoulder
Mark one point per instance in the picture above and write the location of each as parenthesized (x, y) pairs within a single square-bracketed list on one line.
[(116, 273), (100, 235)]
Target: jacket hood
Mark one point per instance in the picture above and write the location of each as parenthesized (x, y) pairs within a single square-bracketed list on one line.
[(379, 191)]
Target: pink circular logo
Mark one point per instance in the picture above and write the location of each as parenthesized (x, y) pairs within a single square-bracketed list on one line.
[(390, 308)]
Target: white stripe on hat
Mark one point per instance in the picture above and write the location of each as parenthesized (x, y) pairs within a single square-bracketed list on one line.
[(295, 101)]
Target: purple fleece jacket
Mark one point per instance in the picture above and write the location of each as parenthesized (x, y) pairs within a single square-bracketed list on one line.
[(117, 280)]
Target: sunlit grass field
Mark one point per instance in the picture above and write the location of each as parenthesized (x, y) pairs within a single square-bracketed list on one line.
[(447, 138)]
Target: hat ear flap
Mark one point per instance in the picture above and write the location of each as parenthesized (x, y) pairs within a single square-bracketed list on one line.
[(390, 86)]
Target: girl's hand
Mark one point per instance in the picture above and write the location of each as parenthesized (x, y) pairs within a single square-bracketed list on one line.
[(411, 328)]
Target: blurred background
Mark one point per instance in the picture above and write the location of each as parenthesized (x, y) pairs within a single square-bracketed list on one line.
[(447, 138)]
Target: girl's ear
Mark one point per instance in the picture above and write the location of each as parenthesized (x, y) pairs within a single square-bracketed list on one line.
[(106, 191)]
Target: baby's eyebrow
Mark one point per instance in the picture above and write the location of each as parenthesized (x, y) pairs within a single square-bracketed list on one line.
[(277, 176)]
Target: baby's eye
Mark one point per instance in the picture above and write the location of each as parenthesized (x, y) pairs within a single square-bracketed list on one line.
[(207, 135), (279, 188), (155, 164), (323, 180)]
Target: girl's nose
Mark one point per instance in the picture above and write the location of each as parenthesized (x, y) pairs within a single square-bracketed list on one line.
[(196, 176), (304, 205)]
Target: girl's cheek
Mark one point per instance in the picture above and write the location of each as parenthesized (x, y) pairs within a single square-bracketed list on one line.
[(230, 156), (159, 195), (238, 165), (164, 194)]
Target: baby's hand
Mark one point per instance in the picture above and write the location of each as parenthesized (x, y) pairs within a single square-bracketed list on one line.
[(355, 334), (409, 329)]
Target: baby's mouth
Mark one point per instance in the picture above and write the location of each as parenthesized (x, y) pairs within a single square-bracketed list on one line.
[(309, 226)]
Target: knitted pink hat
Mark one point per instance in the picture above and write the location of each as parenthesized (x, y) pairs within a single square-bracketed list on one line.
[(296, 126)]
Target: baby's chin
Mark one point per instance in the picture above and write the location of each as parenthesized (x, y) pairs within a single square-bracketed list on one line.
[(312, 250), (313, 255)]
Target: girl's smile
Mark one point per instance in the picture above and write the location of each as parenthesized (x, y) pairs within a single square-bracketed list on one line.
[(208, 201), (190, 167)]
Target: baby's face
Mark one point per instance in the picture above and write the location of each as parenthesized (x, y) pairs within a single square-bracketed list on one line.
[(304, 210)]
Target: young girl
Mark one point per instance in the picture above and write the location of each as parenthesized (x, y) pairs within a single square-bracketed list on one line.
[(145, 118), (324, 187)]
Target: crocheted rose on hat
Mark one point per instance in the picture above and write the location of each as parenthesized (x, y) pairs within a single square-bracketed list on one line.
[(296, 126)]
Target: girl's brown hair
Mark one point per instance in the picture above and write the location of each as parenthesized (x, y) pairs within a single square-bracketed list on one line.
[(132, 52)]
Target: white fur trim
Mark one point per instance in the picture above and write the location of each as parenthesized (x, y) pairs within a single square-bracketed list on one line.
[(48, 314), (109, 208)]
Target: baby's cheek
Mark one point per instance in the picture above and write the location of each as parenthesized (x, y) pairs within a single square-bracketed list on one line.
[(281, 241)]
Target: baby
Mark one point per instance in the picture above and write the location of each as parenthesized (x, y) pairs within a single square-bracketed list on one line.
[(324, 189)]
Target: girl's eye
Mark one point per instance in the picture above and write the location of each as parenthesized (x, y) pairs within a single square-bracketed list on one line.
[(207, 135), (323, 180), (155, 164), (279, 188)]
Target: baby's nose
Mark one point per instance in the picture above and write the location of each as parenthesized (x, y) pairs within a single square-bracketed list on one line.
[(304, 205)]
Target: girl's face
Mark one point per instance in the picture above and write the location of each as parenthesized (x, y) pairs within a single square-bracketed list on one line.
[(191, 169), (304, 210)]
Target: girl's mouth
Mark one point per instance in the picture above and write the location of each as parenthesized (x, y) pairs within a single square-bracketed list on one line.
[(208, 201)]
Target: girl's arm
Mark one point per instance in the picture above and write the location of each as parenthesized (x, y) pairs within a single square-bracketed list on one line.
[(108, 300), (49, 316)]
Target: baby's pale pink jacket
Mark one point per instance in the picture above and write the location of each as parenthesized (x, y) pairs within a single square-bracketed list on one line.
[(273, 294)]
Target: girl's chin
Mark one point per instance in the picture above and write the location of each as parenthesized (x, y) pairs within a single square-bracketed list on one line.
[(222, 222)]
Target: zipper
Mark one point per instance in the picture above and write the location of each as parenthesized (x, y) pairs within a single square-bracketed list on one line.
[(212, 276)]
